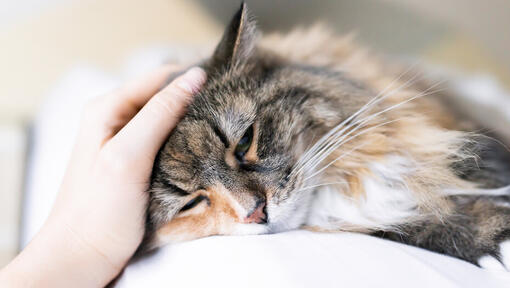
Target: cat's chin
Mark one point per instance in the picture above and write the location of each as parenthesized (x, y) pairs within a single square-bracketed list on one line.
[(287, 221), (290, 214)]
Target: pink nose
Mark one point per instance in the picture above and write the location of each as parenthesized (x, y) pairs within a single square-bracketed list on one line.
[(258, 215)]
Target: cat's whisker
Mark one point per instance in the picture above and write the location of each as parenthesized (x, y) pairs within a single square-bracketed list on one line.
[(423, 93), (369, 116), (336, 159), (379, 97), (327, 142), (313, 165), (324, 153), (366, 120), (330, 137), (334, 145)]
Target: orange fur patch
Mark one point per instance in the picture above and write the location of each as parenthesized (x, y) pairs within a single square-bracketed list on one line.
[(223, 212)]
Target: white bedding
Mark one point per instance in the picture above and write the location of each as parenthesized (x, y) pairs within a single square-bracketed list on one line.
[(292, 259), (303, 259)]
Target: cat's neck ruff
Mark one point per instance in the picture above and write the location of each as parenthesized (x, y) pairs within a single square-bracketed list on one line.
[(387, 200)]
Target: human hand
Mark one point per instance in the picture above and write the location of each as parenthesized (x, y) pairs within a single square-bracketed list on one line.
[(98, 219)]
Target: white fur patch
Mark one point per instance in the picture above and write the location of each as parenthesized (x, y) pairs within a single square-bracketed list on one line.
[(388, 201), (289, 214)]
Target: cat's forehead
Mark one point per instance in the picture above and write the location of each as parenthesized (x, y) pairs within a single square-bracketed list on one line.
[(279, 97), (229, 104)]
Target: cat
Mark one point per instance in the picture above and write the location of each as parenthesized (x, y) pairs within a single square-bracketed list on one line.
[(309, 130)]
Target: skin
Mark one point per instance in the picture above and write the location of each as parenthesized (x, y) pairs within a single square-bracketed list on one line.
[(98, 219)]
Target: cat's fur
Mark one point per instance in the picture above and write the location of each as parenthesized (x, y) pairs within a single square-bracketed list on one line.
[(321, 157)]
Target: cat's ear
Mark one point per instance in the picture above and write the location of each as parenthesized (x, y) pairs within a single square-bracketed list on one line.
[(238, 41)]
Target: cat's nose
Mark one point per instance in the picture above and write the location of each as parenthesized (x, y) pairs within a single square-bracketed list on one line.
[(258, 215)]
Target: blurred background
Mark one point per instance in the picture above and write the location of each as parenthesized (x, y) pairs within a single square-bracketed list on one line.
[(43, 41)]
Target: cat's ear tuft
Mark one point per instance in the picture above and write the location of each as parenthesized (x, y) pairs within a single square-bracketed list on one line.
[(238, 41)]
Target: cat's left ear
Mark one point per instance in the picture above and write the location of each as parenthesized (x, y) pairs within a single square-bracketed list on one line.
[(238, 41)]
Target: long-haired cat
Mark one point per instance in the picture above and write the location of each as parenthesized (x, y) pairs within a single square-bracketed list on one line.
[(309, 130)]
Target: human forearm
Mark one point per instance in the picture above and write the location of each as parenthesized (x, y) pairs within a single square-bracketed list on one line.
[(57, 258)]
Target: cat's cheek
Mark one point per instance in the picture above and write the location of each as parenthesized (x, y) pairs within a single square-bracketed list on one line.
[(182, 229)]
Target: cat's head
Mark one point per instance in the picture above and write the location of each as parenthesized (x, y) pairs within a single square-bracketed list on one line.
[(229, 167)]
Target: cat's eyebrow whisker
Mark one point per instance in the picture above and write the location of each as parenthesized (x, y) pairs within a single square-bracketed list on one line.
[(319, 157), (379, 97)]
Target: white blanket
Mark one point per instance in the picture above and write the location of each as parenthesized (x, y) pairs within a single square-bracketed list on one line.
[(292, 259), (303, 259)]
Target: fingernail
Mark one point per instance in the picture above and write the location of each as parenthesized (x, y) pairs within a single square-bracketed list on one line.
[(192, 80)]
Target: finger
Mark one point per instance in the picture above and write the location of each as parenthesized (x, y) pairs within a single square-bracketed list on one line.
[(139, 91), (107, 114), (146, 132)]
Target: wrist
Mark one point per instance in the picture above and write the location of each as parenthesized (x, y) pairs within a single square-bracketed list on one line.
[(56, 257)]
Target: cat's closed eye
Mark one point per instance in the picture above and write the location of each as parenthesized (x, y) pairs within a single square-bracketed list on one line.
[(244, 144), (194, 202)]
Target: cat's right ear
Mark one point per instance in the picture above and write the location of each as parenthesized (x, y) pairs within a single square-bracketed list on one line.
[(238, 41)]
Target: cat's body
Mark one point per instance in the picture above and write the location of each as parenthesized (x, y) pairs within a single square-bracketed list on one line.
[(310, 130)]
